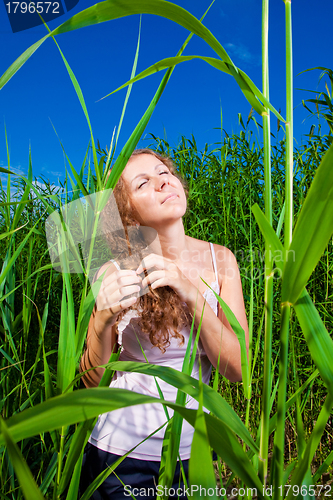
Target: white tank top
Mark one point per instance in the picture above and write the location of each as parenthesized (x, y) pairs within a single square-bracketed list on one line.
[(120, 430)]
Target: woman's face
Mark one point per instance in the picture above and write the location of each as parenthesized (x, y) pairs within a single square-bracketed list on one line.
[(157, 196)]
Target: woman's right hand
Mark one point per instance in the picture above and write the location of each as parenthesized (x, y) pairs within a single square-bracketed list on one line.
[(110, 301), (114, 288)]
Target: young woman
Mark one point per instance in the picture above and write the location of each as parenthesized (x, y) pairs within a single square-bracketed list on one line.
[(149, 194)]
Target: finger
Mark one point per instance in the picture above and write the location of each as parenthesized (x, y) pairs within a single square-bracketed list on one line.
[(116, 307), (158, 283), (152, 260), (146, 263), (121, 282), (152, 277), (126, 273), (123, 304), (119, 295), (128, 290)]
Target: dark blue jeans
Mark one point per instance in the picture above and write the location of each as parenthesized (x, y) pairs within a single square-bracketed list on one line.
[(139, 476)]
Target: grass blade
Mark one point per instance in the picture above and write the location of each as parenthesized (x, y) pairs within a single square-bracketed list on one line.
[(240, 334), (216, 63), (305, 461), (317, 338), (201, 471), (83, 404), (213, 401), (312, 232), (29, 487), (135, 63)]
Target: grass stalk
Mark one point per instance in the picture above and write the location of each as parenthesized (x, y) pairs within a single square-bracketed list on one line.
[(60, 454), (288, 227), (289, 128), (281, 409), (264, 434)]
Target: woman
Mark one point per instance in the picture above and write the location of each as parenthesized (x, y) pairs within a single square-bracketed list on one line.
[(150, 194)]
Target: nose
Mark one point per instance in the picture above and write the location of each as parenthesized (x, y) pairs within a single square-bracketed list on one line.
[(160, 182)]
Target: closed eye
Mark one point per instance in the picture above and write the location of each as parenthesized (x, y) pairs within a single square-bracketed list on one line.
[(145, 181), (142, 183)]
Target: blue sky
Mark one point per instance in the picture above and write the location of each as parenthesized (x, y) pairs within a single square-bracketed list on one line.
[(41, 96)]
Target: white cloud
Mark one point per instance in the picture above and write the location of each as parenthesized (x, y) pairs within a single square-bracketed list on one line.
[(14, 179), (16, 170), (241, 52), (4, 179)]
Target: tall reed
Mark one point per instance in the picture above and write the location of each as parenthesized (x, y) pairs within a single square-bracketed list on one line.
[(288, 228), (266, 403)]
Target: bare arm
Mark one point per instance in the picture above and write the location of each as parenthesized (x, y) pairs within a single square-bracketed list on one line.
[(101, 342), (216, 335), (101, 336)]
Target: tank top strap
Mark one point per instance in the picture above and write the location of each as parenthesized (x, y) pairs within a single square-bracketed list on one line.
[(214, 261)]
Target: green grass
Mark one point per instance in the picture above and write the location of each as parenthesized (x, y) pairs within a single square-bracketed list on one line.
[(222, 189)]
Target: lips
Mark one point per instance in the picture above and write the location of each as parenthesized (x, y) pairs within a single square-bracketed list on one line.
[(170, 195)]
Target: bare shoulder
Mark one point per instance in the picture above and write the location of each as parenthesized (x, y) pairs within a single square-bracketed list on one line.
[(223, 252), (195, 243), (226, 263), (224, 255)]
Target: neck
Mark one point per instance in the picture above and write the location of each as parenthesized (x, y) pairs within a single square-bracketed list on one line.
[(172, 240)]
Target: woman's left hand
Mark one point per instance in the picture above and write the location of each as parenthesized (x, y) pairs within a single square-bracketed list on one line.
[(165, 272)]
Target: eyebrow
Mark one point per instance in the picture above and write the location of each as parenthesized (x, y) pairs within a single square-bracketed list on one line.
[(144, 174)]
